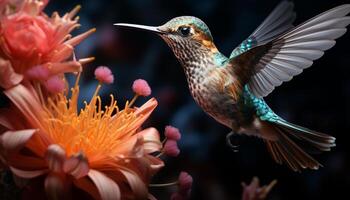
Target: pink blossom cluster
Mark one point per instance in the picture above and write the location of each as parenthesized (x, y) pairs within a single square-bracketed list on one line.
[(46, 143)]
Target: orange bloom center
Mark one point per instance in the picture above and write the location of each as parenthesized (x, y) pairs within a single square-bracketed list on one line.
[(94, 131)]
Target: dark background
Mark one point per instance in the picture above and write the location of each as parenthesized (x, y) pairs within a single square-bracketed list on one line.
[(318, 98)]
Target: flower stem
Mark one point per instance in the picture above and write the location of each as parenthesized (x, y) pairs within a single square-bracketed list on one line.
[(164, 184), (160, 154), (163, 141), (133, 100)]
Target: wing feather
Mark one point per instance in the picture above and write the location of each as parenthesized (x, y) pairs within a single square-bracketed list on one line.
[(319, 44), (280, 20), (284, 54), (282, 16)]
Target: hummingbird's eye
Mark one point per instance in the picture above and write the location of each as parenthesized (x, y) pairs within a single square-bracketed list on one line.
[(184, 30)]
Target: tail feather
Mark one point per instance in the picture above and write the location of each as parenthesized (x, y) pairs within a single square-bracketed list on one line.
[(319, 140), (285, 150), (301, 158)]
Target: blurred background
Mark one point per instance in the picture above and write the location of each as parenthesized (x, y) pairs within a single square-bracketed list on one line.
[(318, 98)]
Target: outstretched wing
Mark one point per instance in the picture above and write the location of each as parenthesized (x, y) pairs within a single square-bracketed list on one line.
[(279, 21), (273, 61)]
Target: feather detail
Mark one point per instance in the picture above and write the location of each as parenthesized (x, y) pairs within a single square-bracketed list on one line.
[(289, 53), (280, 20), (285, 150)]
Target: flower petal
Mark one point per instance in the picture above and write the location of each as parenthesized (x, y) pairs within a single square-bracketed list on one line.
[(33, 7), (63, 53), (151, 140), (151, 197), (126, 146), (55, 157), (77, 39), (137, 150), (15, 140), (5, 119), (38, 143), (25, 162), (28, 174), (147, 108), (137, 185), (64, 67), (77, 166), (55, 186), (27, 104), (12, 119), (88, 186), (107, 188), (142, 114), (155, 163), (8, 76)]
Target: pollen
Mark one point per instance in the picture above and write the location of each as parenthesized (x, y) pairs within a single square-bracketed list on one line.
[(93, 130)]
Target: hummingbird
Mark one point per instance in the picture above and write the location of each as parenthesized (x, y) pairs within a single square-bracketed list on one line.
[(232, 89)]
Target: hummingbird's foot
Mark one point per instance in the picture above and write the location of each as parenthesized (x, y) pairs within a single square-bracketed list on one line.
[(233, 144)]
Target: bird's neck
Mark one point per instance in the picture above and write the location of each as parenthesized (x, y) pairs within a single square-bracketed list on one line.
[(198, 60)]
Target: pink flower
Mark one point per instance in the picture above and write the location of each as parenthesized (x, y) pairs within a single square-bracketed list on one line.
[(26, 36), (30, 38), (38, 72), (141, 88), (171, 148), (185, 182), (55, 84), (184, 187), (172, 133), (9, 6), (104, 75), (177, 196), (254, 191)]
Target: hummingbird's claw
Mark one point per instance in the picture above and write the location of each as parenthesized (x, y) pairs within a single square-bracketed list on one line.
[(229, 142)]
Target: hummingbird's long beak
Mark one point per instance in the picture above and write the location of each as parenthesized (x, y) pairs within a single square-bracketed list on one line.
[(153, 29)]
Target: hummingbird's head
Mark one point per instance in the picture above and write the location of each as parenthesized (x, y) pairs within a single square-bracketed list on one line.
[(187, 30), (186, 35)]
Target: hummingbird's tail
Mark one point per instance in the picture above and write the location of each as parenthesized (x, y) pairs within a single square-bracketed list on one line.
[(291, 142)]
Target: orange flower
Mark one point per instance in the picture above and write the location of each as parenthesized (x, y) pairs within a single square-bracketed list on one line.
[(101, 151), (30, 39)]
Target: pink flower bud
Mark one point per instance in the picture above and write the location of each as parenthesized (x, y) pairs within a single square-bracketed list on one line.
[(55, 84), (185, 182), (104, 75), (26, 35), (184, 189), (172, 133), (177, 196), (141, 88), (171, 148), (39, 72)]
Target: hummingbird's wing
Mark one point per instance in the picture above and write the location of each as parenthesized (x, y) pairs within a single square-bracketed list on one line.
[(269, 62), (279, 20)]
